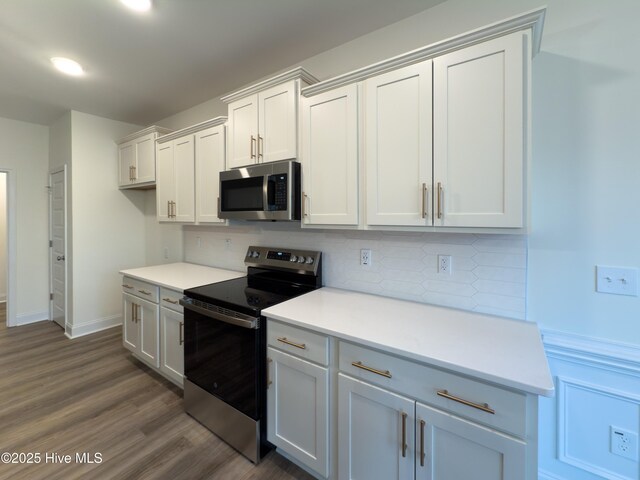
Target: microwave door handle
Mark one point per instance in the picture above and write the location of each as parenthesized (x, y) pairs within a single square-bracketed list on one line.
[(271, 191)]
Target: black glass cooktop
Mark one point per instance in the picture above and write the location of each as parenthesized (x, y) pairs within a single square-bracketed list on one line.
[(249, 294)]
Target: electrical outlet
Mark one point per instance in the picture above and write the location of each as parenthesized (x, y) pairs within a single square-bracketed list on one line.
[(166, 252), (624, 443), (617, 280), (444, 264), (227, 244), (198, 242), (365, 257)]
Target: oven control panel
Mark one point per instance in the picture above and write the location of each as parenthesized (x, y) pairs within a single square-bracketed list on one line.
[(295, 260)]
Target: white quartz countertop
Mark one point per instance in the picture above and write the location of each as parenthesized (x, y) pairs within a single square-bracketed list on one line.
[(180, 276), (502, 351)]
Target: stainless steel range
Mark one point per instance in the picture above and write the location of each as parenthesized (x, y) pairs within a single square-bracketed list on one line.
[(225, 343)]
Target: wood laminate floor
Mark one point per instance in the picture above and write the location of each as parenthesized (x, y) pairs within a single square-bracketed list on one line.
[(88, 395)]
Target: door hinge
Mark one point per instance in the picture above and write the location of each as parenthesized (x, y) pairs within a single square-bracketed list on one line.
[(51, 296), (50, 243)]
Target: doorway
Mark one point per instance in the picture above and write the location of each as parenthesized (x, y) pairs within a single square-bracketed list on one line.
[(3, 247), (57, 244)]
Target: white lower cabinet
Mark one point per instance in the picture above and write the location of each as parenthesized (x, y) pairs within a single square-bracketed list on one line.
[(141, 328), (298, 409), (450, 448), (172, 344), (375, 432)]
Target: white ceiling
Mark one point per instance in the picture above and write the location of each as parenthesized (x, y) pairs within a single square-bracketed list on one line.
[(144, 67)]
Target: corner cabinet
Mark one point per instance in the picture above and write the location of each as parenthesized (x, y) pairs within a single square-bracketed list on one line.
[(443, 136), (137, 160), (189, 163), (263, 120)]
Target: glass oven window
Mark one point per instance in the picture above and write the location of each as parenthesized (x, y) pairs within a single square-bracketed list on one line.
[(243, 194)]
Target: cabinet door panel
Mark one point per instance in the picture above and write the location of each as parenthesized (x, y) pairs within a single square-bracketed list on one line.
[(370, 432), (277, 123), (172, 351), (210, 153), (479, 129), (126, 159), (164, 182), (298, 409), (146, 160), (398, 146), (130, 329), (243, 124), (184, 179), (455, 449), (149, 332), (330, 157)]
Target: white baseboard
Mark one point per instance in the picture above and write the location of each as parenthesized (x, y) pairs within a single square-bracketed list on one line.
[(544, 475), (75, 331), (27, 318)]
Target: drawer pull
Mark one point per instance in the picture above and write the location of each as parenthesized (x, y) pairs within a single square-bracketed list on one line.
[(175, 302), (404, 434), (127, 286), (480, 406), (301, 346), (384, 373), (145, 292)]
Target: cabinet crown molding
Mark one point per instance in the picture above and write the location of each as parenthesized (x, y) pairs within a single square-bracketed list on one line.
[(296, 73), (533, 20), (146, 131), (214, 122)]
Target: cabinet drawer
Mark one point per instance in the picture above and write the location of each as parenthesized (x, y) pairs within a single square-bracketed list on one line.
[(171, 299), (141, 289), (299, 342), (451, 392)]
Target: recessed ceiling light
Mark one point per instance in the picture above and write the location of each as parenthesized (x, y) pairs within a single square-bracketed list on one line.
[(138, 5), (68, 66)]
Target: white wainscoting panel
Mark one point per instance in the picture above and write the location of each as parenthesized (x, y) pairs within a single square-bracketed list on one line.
[(598, 386)]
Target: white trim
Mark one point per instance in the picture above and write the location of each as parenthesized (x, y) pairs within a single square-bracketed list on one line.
[(214, 122), (27, 318), (292, 74), (533, 20), (545, 475), (146, 131), (75, 331), (12, 265), (593, 352)]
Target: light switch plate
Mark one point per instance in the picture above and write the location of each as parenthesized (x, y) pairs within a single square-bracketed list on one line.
[(617, 280)]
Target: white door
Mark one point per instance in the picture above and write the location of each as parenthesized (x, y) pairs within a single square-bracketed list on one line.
[(330, 157), (145, 170), (278, 123), (130, 328), (371, 422), (243, 132), (456, 449), (479, 128), (298, 409), (184, 209), (210, 153), (164, 182), (398, 146), (58, 286), (172, 352), (147, 318), (126, 162)]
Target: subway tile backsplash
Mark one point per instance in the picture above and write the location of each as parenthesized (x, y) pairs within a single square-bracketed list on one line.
[(488, 271)]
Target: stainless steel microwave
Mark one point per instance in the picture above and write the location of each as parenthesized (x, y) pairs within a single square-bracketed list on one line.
[(267, 191)]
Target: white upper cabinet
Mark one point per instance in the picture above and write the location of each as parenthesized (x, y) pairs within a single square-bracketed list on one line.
[(210, 161), (136, 158), (479, 133), (175, 193), (263, 120), (330, 157), (398, 146)]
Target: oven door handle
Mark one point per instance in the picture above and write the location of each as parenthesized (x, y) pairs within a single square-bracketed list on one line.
[(248, 322)]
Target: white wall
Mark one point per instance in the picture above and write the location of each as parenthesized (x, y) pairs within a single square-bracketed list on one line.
[(3, 236), (163, 241), (108, 225), (25, 153)]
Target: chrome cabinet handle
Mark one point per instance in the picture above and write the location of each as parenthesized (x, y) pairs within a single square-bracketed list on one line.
[(269, 361), (127, 286), (260, 147), (168, 209), (175, 302), (301, 346), (404, 434), (424, 200), (145, 292), (305, 199), (252, 144), (384, 373), (133, 173), (440, 200), (181, 339), (133, 312), (480, 406), (422, 424)]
